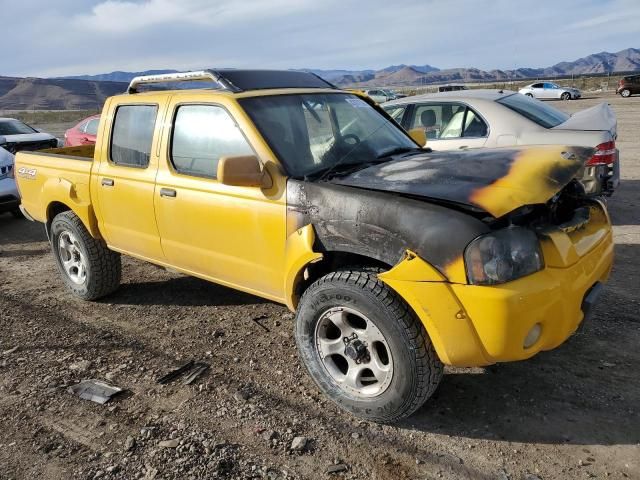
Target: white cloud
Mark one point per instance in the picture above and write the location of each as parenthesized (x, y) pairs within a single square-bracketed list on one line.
[(126, 16), (66, 37)]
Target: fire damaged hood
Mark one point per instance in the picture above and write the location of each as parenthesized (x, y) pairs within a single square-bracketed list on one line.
[(496, 181)]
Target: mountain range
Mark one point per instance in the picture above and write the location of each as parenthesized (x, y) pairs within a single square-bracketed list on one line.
[(90, 91)]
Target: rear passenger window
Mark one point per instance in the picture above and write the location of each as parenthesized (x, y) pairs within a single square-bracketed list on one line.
[(202, 134), (133, 134)]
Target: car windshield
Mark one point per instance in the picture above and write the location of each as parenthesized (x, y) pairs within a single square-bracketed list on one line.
[(315, 133), (14, 127), (535, 110)]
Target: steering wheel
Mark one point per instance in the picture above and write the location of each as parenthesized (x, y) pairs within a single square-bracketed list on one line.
[(355, 138)]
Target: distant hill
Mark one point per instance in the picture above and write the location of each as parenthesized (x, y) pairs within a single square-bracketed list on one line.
[(89, 91), (604, 62), (124, 77), (55, 94)]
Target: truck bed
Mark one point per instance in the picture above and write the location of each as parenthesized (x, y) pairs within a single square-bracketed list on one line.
[(59, 173)]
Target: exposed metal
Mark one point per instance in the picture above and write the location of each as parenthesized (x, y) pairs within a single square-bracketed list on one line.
[(377, 225), (95, 390), (354, 352)]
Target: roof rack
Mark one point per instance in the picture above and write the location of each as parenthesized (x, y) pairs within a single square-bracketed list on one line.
[(238, 80), (195, 76)]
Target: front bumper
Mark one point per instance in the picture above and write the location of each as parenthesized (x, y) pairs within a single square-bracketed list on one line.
[(473, 325)]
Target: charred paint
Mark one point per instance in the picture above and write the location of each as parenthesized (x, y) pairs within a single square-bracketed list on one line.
[(496, 181), (384, 210), (379, 225)]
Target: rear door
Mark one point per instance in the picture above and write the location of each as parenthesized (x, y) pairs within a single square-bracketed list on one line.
[(448, 125), (126, 179)]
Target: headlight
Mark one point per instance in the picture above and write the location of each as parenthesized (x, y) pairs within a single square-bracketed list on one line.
[(503, 255)]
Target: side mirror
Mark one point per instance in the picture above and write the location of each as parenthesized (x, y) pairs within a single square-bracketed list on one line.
[(419, 135), (243, 171)]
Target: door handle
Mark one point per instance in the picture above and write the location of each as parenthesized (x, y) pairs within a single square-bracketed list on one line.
[(463, 147), (107, 182), (168, 192)]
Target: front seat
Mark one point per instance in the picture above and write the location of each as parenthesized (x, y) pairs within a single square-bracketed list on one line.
[(428, 120)]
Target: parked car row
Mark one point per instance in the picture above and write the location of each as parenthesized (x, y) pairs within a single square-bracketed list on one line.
[(501, 118)]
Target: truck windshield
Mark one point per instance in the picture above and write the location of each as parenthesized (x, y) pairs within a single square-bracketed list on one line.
[(314, 133), (535, 110)]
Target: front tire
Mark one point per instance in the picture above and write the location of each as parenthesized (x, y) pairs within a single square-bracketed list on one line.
[(364, 347), (565, 96), (88, 268), (530, 95), (625, 93), (17, 214)]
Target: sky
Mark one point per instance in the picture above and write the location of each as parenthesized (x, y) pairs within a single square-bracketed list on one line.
[(44, 38)]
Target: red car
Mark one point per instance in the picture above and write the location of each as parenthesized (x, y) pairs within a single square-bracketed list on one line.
[(84, 133)]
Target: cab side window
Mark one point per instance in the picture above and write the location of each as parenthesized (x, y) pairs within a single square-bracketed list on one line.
[(132, 135), (202, 134)]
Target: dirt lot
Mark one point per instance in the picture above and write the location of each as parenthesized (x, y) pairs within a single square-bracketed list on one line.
[(570, 413)]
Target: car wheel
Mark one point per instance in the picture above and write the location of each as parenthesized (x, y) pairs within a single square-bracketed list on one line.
[(364, 347), (17, 214), (565, 96), (529, 95), (625, 93), (89, 269)]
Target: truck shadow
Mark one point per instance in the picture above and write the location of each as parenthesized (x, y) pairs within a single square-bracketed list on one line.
[(584, 392), (180, 291), (20, 231), (624, 205)]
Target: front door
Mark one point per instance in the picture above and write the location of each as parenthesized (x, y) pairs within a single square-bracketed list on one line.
[(228, 234), (126, 181)]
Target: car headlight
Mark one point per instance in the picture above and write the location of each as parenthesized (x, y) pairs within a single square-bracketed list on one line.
[(502, 256)]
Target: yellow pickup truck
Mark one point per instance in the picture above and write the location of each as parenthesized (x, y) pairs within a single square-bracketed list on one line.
[(396, 259)]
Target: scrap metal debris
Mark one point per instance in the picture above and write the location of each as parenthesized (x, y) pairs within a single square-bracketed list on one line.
[(173, 374), (192, 369), (198, 369), (95, 390)]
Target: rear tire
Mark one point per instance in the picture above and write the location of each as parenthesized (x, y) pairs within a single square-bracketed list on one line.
[(398, 369), (17, 214), (625, 93), (88, 268), (565, 96)]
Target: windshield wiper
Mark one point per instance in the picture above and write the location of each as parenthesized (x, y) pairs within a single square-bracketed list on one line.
[(399, 150)]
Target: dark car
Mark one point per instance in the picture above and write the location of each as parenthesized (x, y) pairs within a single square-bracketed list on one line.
[(628, 86), (452, 88), (16, 135)]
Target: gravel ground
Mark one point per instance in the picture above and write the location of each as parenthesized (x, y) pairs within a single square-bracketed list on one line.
[(567, 414)]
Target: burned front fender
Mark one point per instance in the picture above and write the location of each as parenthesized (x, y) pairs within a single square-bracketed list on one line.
[(380, 225)]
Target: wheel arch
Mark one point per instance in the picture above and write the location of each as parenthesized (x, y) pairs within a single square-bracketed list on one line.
[(84, 213)]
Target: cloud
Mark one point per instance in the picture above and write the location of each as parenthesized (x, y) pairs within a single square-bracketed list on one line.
[(66, 37), (125, 16)]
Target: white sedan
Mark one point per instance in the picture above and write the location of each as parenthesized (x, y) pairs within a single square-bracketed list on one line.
[(550, 90), (501, 118)]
